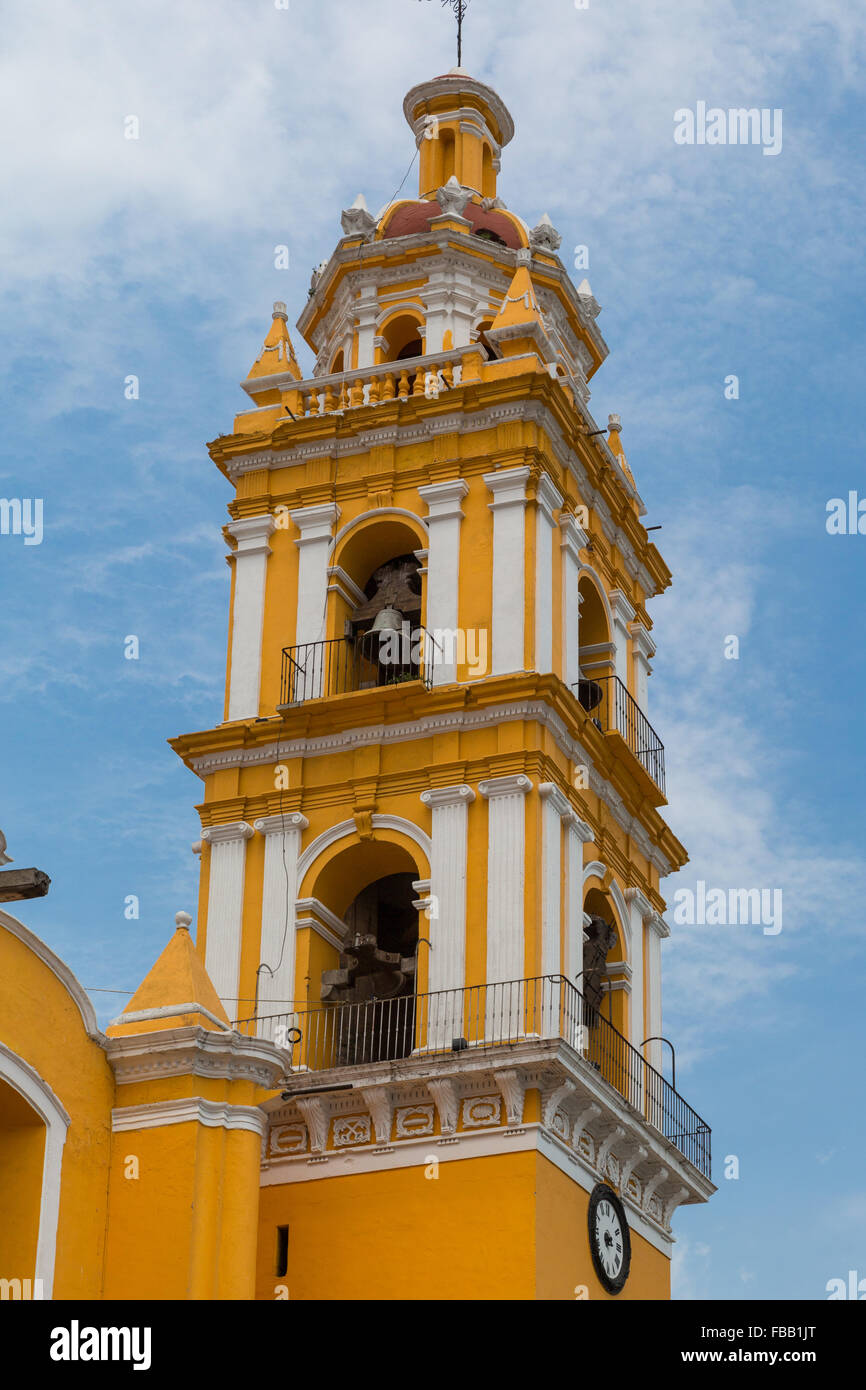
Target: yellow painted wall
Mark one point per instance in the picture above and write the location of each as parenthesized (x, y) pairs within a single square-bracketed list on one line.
[(503, 1227)]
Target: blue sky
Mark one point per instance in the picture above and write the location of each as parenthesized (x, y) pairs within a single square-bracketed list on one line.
[(155, 258)]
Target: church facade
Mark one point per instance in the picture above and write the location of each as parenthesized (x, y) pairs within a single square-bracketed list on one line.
[(415, 1048)]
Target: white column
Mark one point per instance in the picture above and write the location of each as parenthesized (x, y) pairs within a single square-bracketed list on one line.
[(314, 545), (644, 650), (447, 922), (366, 310), (640, 910), (579, 834), (225, 904), (556, 807), (509, 567), (250, 561), (506, 884), (548, 501), (572, 541), (623, 614), (445, 514), (279, 893)]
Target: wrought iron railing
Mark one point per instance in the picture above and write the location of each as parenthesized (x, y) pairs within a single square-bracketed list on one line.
[(486, 1016), (611, 706), (313, 670)]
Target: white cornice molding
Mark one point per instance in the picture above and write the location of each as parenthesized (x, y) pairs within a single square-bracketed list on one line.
[(573, 538), (359, 737), (444, 499), (550, 792), (310, 912), (548, 497), (315, 523), (508, 487), (222, 834), (621, 607), (448, 796), (274, 825), (192, 1050), (211, 1114), (635, 898), (659, 925), (58, 968), (642, 641), (517, 784), (170, 1011), (251, 534)]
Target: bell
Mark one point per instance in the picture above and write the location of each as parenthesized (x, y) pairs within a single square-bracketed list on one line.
[(388, 620)]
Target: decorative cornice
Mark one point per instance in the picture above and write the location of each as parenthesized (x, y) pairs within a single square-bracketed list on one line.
[(251, 534), (508, 487), (621, 607), (315, 523), (574, 539), (444, 499), (548, 497), (212, 1114), (193, 1050), (549, 792)]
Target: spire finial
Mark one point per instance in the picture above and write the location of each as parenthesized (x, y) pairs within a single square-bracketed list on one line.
[(459, 7)]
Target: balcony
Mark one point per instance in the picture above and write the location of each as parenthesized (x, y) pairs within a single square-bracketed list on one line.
[(316, 670), (477, 1024), (613, 710)]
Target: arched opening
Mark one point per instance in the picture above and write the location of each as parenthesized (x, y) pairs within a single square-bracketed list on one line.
[(383, 642), (403, 338), (337, 364), (488, 174), (371, 992), (480, 336), (596, 654), (22, 1161), (602, 985)]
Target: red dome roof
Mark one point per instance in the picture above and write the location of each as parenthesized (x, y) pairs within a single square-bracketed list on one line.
[(409, 218)]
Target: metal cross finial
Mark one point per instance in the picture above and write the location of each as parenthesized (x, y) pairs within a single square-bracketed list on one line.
[(459, 7)]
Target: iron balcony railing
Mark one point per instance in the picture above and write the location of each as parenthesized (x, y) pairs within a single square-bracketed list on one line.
[(345, 664), (486, 1016), (607, 699)]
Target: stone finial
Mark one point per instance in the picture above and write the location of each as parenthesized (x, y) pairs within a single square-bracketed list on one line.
[(280, 311), (183, 921), (545, 237), (358, 220), (452, 197), (614, 424)]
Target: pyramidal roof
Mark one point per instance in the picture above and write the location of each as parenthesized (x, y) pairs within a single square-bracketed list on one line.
[(177, 979), (277, 354), (520, 305)]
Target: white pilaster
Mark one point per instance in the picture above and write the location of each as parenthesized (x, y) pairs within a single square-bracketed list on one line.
[(279, 893), (445, 514), (447, 924), (640, 910), (509, 568), (556, 807), (506, 876), (657, 930), (643, 649), (549, 500), (579, 834), (228, 849), (314, 545), (250, 561), (623, 614), (366, 310), (572, 541)]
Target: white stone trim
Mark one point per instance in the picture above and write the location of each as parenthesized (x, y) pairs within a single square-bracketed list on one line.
[(170, 1011), (250, 561), (343, 829), (24, 1078), (375, 512), (189, 1110), (312, 914), (508, 487), (572, 541)]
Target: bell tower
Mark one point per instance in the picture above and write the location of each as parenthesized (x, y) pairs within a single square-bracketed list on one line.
[(432, 830)]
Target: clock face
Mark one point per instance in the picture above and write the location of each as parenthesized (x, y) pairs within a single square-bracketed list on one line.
[(609, 1240)]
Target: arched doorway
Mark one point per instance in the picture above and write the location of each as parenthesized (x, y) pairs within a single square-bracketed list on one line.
[(22, 1162)]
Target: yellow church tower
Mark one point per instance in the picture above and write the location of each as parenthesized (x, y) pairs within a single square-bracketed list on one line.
[(432, 843)]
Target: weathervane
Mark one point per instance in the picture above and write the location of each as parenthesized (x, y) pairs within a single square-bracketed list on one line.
[(459, 7)]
